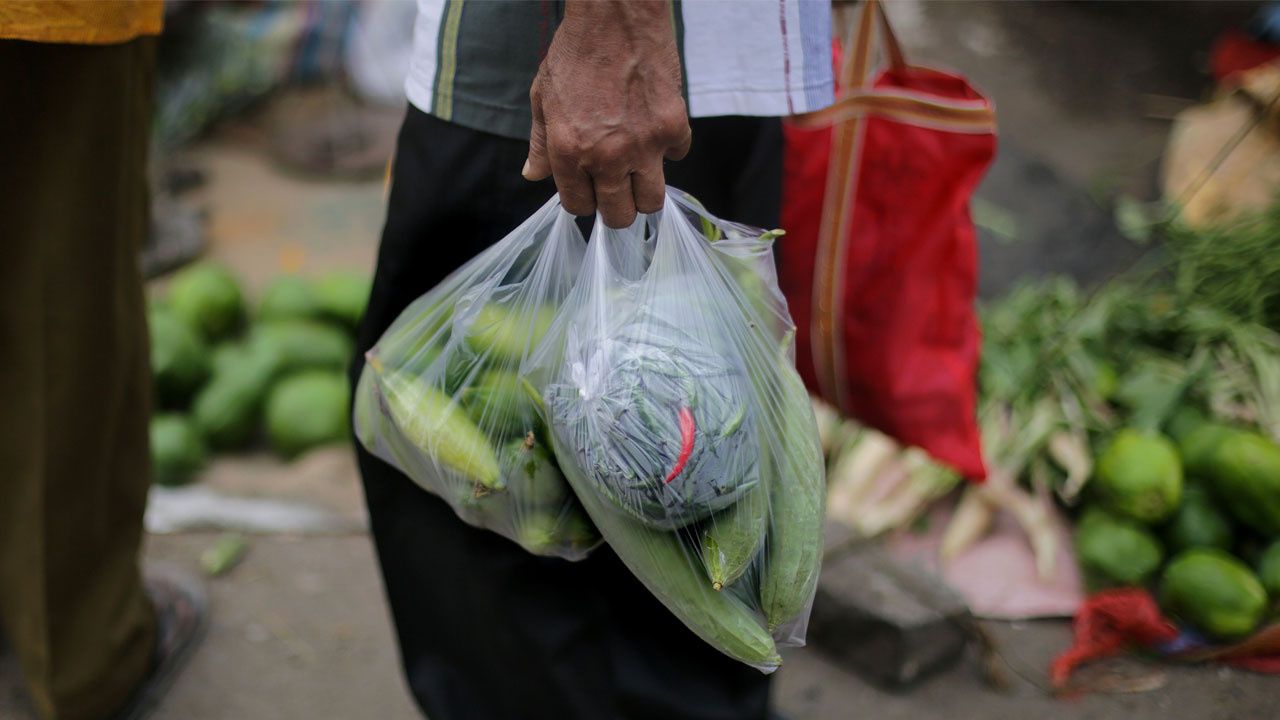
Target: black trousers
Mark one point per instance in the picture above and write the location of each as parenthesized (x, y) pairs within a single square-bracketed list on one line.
[(486, 630)]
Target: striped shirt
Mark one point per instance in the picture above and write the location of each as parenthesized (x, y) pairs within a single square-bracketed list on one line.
[(474, 60)]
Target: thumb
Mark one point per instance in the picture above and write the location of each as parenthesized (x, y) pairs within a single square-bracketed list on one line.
[(537, 167)]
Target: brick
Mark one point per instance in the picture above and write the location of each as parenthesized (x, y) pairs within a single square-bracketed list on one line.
[(891, 623)]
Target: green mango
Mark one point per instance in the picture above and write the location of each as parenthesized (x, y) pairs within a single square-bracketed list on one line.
[(1139, 476), (307, 410), (1115, 551), (1214, 592), (179, 359), (288, 297), (208, 298), (177, 451)]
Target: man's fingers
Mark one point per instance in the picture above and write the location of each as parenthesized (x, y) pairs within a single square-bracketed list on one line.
[(649, 186), (574, 185), (680, 148), (616, 202), (537, 167)]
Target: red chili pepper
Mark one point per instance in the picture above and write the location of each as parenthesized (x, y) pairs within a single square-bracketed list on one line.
[(687, 428)]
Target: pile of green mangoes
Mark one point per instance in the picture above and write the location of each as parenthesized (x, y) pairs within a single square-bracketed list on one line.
[(1194, 511), (222, 372)]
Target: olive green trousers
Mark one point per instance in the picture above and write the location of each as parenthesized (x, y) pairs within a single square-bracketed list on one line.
[(74, 378)]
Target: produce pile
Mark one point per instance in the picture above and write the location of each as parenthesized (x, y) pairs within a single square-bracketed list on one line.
[(220, 378), (1149, 410), (636, 390)]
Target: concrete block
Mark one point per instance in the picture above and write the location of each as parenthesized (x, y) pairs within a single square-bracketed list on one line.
[(891, 623)]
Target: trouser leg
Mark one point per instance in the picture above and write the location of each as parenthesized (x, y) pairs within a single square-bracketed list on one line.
[(74, 381)]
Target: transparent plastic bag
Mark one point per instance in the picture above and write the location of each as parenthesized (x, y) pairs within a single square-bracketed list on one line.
[(442, 397), (676, 413)]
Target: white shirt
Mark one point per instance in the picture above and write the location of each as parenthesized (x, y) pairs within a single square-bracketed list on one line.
[(474, 60)]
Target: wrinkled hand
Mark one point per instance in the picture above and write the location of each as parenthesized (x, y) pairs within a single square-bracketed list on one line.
[(607, 109)]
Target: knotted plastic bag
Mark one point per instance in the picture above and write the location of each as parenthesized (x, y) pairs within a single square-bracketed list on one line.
[(442, 397), (675, 411)]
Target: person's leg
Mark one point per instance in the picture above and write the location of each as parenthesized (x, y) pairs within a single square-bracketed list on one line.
[(73, 370), (485, 629)]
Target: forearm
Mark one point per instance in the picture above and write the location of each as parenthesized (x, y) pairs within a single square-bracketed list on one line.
[(601, 30)]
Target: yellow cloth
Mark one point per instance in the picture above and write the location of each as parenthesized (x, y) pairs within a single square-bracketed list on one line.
[(91, 22)]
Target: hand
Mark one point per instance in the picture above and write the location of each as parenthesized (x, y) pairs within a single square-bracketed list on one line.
[(607, 109)]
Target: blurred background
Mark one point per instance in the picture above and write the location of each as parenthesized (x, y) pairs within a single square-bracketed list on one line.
[(274, 126)]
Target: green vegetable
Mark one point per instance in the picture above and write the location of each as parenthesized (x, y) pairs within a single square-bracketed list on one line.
[(1139, 476), (179, 359), (228, 354), (367, 415), (1198, 523), (288, 297), (221, 557), (532, 479), (226, 410), (308, 410), (1233, 266), (1185, 420), (794, 547), (661, 562), (1269, 570), (502, 334), (659, 427), (207, 297), (303, 345), (1245, 477), (342, 296), (552, 532), (1115, 551), (1198, 446), (436, 426), (497, 403), (177, 452), (1214, 592), (732, 538)]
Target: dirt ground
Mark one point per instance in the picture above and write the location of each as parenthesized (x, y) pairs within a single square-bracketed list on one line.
[(300, 629)]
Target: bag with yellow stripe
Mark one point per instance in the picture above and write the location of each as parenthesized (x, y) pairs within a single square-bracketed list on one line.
[(879, 265)]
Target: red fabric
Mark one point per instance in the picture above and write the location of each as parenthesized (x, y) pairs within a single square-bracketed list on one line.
[(1109, 622), (909, 333), (1234, 52), (1115, 620), (1269, 665)]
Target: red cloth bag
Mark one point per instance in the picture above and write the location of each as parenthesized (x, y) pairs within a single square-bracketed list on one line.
[(879, 263)]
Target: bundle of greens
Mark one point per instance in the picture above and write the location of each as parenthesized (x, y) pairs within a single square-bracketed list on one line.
[(659, 419)]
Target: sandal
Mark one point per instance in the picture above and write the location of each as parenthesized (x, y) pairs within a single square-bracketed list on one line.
[(182, 609)]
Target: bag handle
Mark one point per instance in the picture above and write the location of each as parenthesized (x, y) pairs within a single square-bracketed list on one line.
[(828, 281), (855, 71)]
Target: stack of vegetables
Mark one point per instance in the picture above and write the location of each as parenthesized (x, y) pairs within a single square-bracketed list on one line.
[(219, 378), (1149, 409)]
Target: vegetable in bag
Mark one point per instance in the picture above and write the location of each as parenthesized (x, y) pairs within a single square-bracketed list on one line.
[(676, 414), (659, 420), (443, 397)]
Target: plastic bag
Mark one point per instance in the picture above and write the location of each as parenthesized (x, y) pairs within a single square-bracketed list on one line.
[(442, 397), (675, 410)]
